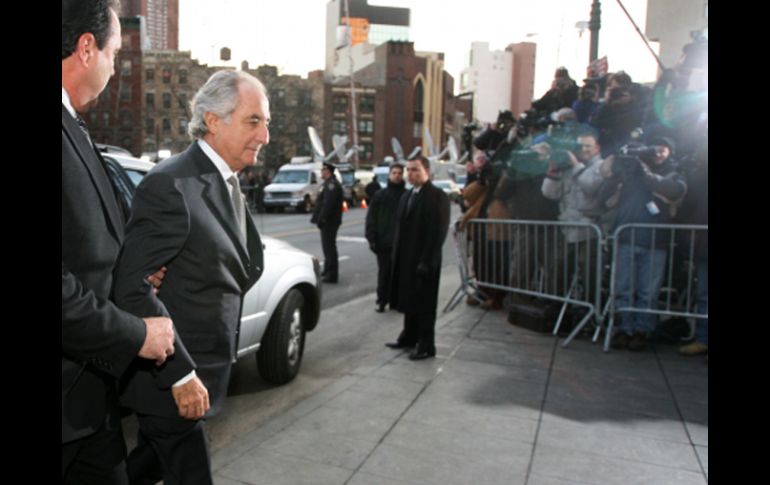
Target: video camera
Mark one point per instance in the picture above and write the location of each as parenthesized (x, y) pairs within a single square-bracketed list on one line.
[(505, 120)]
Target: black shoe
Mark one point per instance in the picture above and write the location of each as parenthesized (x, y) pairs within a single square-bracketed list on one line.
[(638, 342), (329, 279), (398, 345), (620, 341), (422, 354), (380, 308)]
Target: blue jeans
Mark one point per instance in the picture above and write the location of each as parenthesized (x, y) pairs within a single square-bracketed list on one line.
[(638, 277), (702, 324)]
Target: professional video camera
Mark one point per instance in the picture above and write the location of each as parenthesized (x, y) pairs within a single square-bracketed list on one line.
[(643, 152), (631, 156), (505, 121)]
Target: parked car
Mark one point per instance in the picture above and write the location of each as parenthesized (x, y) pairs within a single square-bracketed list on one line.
[(449, 187), (278, 310)]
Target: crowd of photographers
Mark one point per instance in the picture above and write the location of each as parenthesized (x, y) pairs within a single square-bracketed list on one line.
[(611, 152)]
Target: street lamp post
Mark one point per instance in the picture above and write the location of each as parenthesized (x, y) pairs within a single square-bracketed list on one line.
[(594, 26)]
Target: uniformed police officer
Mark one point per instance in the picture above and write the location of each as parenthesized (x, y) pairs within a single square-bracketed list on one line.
[(328, 217)]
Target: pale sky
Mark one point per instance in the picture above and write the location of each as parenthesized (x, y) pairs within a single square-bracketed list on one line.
[(291, 35)]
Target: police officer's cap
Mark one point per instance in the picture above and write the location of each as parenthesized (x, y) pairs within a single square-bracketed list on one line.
[(330, 166)]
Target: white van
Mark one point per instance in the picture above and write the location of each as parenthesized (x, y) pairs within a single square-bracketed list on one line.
[(294, 185)]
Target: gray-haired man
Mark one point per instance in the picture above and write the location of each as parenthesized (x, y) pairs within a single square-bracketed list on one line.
[(188, 215)]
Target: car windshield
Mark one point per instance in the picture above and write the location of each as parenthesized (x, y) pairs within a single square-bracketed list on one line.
[(382, 178), (291, 177), (444, 184), (461, 180), (348, 178)]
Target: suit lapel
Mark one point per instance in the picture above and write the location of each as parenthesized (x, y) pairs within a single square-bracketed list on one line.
[(96, 170), (217, 197)]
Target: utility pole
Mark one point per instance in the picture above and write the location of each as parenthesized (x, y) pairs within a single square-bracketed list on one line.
[(353, 107), (594, 26)]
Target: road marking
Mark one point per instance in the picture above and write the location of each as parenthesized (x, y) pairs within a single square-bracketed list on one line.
[(356, 239), (307, 231), (340, 258)]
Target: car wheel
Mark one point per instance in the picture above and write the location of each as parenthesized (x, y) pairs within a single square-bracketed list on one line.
[(283, 344), (270, 210)]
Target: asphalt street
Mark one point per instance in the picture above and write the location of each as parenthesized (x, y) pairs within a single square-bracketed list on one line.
[(358, 265)]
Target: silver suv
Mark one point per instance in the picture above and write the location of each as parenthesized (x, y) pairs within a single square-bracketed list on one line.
[(278, 310)]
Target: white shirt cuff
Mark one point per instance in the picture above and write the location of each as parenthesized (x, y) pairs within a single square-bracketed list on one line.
[(185, 379)]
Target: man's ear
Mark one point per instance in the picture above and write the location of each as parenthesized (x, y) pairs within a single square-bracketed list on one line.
[(212, 122), (86, 47)]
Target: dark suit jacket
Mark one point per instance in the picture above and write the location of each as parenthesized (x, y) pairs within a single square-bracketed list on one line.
[(420, 235), (99, 341), (328, 209), (182, 218)]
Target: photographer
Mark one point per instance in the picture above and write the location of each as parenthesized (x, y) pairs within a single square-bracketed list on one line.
[(575, 185), (647, 188), (621, 112), (563, 92), (495, 135)]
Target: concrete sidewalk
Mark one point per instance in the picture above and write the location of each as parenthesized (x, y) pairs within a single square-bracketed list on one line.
[(498, 405)]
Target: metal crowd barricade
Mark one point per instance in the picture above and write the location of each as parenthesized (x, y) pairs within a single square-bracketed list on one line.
[(536, 258), (468, 287), (680, 253)]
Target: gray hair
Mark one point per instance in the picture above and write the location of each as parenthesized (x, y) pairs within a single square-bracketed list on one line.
[(218, 96)]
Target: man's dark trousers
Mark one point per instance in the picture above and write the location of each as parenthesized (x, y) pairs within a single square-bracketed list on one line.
[(329, 245), (384, 268)]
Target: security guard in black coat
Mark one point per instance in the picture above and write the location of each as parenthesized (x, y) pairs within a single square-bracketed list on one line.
[(327, 215)]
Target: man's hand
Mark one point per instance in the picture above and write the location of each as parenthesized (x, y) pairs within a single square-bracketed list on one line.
[(156, 279), (159, 341), (192, 399), (573, 161)]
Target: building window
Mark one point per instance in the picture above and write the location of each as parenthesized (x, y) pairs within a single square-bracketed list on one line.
[(417, 113), (304, 98), (125, 92), (166, 76), (149, 75), (366, 127), (340, 127), (166, 100), (166, 125), (183, 126), (106, 119), (340, 103), (367, 104), (367, 151), (149, 126), (125, 118), (150, 100), (182, 101), (125, 67), (182, 76)]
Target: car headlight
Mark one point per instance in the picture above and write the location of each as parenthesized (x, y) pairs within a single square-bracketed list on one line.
[(268, 195), (297, 194)]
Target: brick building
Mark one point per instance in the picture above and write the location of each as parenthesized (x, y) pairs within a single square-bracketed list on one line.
[(398, 95)]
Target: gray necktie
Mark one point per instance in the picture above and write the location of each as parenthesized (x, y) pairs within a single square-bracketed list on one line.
[(237, 198)]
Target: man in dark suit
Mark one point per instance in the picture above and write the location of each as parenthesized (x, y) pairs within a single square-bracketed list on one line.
[(99, 340), (188, 215), (421, 228), (381, 227), (328, 217)]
